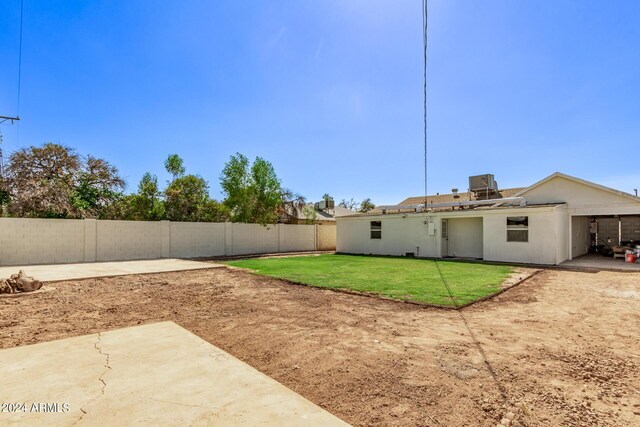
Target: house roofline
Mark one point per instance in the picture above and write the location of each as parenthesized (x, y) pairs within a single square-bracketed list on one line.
[(579, 181)]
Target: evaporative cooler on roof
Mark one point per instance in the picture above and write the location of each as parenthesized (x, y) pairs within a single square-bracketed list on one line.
[(484, 187)]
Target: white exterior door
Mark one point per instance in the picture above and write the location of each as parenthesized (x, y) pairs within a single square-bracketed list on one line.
[(444, 228)]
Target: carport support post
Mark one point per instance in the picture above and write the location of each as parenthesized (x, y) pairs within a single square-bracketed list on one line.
[(619, 230), (570, 245)]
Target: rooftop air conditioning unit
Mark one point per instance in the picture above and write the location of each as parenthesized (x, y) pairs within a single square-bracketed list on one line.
[(483, 182), (325, 204)]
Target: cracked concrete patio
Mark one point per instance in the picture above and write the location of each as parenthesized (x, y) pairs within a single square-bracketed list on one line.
[(157, 374)]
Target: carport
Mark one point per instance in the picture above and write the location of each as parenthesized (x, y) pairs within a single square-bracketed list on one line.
[(597, 233)]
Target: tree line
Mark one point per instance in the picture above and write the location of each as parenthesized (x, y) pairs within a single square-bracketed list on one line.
[(54, 181)]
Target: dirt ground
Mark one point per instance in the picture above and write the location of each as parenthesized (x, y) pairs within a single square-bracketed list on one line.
[(562, 348)]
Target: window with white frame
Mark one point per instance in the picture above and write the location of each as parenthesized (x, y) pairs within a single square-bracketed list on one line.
[(517, 229), (376, 229)]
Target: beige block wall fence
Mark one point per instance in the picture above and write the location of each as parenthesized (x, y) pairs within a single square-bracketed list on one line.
[(25, 241)]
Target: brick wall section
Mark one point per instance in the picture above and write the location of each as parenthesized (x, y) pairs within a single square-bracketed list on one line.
[(53, 241)]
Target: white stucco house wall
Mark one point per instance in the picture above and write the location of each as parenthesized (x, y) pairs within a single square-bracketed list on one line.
[(559, 218)]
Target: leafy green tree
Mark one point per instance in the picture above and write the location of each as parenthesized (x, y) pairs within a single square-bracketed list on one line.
[(349, 204), (119, 209), (174, 165), (5, 197), (185, 198), (310, 214), (214, 211), (366, 205), (55, 181), (265, 191), (146, 204), (235, 181), (253, 192), (292, 204), (98, 185)]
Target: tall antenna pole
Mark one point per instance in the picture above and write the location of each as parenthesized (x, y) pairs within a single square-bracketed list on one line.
[(424, 45), (20, 56)]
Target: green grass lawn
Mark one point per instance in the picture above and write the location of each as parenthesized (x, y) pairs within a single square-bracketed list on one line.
[(400, 278)]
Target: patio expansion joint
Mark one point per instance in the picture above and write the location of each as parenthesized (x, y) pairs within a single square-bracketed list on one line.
[(107, 368)]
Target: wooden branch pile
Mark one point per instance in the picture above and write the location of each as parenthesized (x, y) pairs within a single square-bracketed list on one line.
[(19, 283)]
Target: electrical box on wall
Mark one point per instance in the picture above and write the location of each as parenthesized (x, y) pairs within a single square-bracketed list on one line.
[(431, 229)]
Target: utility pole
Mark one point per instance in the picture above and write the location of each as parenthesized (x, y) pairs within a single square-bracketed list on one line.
[(1, 163), (12, 119), (2, 193), (2, 120)]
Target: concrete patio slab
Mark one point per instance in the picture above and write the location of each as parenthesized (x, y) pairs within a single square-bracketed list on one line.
[(56, 272), (158, 374), (599, 262)]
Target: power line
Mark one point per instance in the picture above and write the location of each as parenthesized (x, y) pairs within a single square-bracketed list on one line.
[(17, 116), (501, 388)]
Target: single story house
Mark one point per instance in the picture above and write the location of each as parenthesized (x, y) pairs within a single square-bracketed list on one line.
[(556, 219)]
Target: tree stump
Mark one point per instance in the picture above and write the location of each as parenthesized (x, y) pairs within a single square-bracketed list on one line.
[(19, 283)]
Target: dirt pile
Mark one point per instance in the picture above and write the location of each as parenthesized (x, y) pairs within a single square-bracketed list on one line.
[(19, 283)]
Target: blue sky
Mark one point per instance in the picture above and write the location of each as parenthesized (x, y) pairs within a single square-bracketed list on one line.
[(330, 91)]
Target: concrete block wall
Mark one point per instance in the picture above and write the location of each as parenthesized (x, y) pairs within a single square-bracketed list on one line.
[(49, 241), (41, 241), (121, 240), (325, 237), (630, 227), (608, 229), (296, 238), (252, 239), (196, 239)]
